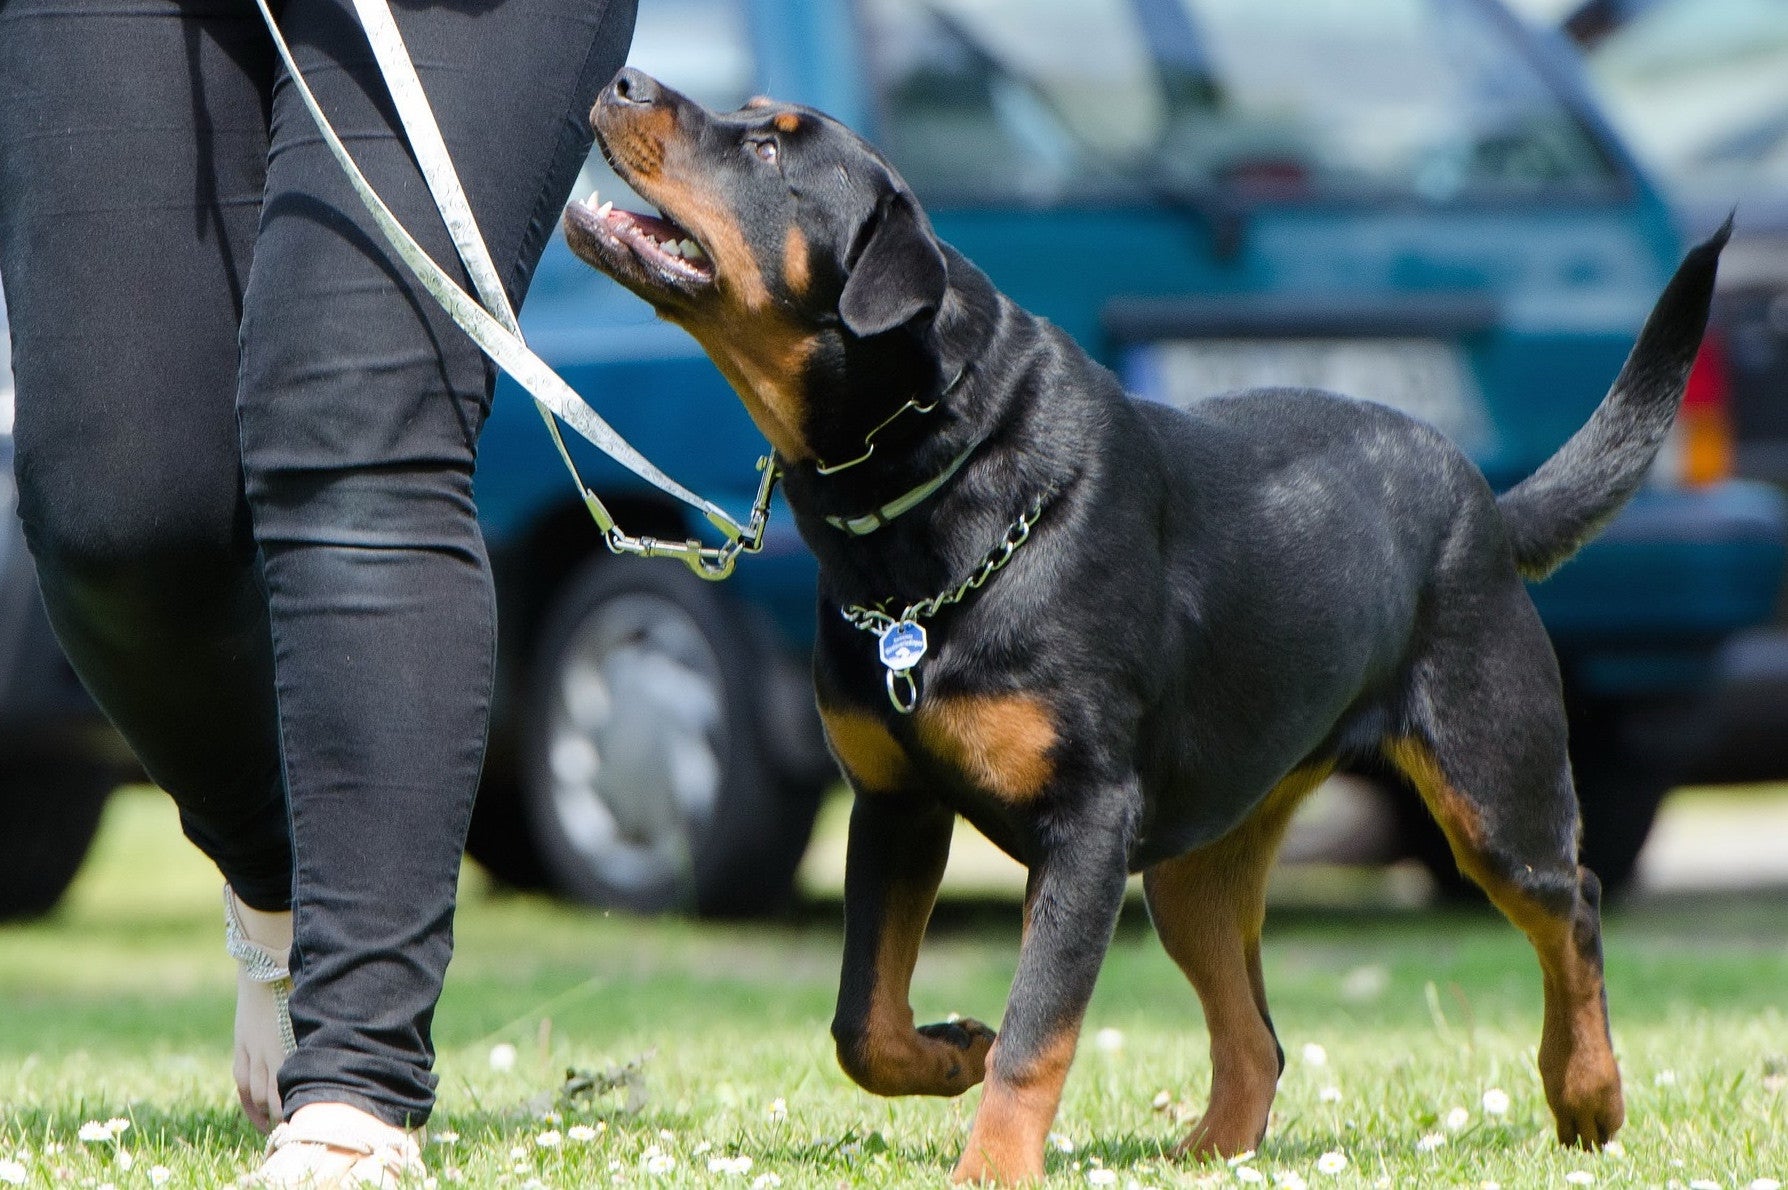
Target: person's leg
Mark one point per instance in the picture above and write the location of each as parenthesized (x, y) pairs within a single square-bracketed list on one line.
[(133, 146), (359, 409)]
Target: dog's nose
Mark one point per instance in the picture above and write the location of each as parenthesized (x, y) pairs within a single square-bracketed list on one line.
[(635, 87)]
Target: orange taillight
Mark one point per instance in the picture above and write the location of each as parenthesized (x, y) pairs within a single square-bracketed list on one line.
[(1704, 427)]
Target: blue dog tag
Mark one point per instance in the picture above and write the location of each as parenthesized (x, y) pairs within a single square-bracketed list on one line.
[(903, 646)]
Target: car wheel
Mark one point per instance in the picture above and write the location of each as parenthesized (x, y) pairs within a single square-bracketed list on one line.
[(1621, 776), (646, 782), (49, 813)]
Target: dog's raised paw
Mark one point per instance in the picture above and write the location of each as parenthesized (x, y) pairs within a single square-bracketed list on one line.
[(963, 1033)]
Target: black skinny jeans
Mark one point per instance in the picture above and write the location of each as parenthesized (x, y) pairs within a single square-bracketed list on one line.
[(245, 444)]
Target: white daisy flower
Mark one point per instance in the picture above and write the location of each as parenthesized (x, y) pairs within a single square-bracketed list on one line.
[(1329, 1095), (124, 1159), (659, 1163), (1101, 1177), (1664, 1078), (1109, 1041), (93, 1132), (12, 1173), (1614, 1149), (581, 1133), (159, 1175), (730, 1165), (778, 1110), (1331, 1162), (1060, 1143), (1580, 1177), (766, 1181), (1764, 1184), (1241, 1159), (1162, 1101), (1289, 1179), (1430, 1142), (1247, 1173), (1496, 1102), (502, 1056), (1457, 1119), (444, 1137), (1365, 983), (549, 1139), (1315, 1055)]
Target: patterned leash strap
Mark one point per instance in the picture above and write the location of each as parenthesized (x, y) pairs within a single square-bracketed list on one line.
[(491, 322)]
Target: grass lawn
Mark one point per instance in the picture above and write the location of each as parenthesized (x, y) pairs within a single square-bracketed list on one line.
[(1396, 1024)]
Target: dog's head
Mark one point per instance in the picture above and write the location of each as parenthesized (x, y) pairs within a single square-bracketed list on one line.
[(784, 243)]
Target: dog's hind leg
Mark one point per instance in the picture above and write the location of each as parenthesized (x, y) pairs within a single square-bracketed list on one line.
[(1208, 907), (1490, 763)]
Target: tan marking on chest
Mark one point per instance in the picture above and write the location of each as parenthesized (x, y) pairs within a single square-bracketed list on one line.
[(1001, 742), (871, 757)]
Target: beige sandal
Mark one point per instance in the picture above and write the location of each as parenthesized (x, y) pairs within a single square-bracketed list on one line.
[(331, 1146), (260, 943)]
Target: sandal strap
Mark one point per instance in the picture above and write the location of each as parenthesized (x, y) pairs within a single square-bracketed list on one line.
[(368, 1161), (261, 965)]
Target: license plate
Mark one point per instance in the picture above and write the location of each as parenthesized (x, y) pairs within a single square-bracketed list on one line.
[(1425, 378)]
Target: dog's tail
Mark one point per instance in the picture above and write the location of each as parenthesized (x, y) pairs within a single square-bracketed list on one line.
[(1554, 511)]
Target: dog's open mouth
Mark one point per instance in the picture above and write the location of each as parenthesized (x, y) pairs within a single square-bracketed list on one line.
[(635, 247)]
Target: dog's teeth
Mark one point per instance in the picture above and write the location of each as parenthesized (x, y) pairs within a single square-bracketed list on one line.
[(603, 210), (692, 250), (591, 201), (671, 248)]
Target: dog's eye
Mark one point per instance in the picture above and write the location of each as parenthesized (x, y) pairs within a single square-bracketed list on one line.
[(766, 150)]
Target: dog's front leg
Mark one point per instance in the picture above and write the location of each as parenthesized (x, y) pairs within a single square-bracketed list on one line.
[(1071, 907), (894, 861)]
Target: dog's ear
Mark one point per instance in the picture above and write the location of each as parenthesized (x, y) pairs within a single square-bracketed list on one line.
[(899, 270)]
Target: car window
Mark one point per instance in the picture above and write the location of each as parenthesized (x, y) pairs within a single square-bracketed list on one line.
[(700, 47), (1700, 89), (1068, 100)]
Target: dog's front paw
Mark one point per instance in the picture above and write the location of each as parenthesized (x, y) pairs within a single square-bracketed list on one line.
[(971, 1040)]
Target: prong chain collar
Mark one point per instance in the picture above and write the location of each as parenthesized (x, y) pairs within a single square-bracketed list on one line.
[(901, 637)]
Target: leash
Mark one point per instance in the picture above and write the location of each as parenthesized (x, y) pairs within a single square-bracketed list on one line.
[(902, 639), (491, 322)]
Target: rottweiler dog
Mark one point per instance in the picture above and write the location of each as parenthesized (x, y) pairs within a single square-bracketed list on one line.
[(1115, 636)]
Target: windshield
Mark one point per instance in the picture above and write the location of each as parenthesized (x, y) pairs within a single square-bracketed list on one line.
[(1050, 101), (1700, 89)]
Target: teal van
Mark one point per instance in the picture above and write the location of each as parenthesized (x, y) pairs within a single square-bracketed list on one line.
[(1412, 201)]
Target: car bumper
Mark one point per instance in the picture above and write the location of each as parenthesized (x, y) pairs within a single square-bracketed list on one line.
[(1644, 608)]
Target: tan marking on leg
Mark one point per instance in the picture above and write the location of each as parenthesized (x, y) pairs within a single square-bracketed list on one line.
[(1209, 906), (871, 757), (895, 1058), (796, 271), (1001, 742), (1577, 1064), (1011, 1126)]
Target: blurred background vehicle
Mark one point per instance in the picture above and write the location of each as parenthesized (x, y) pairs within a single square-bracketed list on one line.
[(1699, 90), (1414, 201)]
